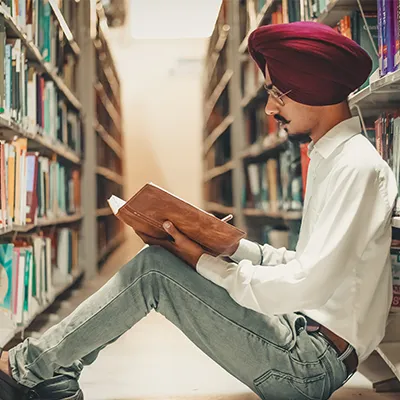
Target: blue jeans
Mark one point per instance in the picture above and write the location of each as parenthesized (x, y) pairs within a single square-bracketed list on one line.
[(273, 355)]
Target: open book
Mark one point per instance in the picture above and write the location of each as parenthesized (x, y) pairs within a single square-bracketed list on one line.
[(151, 206)]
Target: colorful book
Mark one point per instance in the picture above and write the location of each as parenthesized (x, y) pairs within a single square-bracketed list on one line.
[(6, 277)]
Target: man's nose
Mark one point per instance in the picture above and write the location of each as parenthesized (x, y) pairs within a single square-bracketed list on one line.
[(271, 107)]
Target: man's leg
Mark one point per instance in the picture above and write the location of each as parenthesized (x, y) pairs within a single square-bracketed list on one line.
[(273, 355)]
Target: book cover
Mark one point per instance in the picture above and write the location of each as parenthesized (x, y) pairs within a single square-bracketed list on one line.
[(3, 204), (396, 33), (391, 44), (152, 205), (6, 276), (31, 186), (383, 5)]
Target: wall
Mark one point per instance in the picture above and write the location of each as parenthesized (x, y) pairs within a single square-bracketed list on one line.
[(162, 113)]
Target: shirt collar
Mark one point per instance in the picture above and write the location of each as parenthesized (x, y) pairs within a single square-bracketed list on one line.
[(339, 134)]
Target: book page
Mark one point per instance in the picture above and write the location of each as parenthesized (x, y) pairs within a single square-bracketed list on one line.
[(115, 203)]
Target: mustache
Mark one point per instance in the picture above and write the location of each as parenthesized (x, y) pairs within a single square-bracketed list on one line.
[(281, 119)]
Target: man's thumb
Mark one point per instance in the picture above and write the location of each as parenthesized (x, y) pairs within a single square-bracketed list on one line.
[(170, 228)]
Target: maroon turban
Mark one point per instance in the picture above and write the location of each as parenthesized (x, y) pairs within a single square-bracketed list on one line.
[(319, 65)]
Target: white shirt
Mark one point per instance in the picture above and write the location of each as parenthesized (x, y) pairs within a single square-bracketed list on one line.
[(340, 273)]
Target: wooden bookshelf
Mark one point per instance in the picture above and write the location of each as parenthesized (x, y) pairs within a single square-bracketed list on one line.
[(35, 55), (107, 124), (103, 212), (8, 333), (224, 185), (80, 33)]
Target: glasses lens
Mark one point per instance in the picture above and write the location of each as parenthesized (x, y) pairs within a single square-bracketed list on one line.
[(275, 94)]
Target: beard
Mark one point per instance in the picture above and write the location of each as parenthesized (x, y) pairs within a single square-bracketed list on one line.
[(299, 137)]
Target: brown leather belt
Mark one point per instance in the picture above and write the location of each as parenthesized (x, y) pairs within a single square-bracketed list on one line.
[(345, 351)]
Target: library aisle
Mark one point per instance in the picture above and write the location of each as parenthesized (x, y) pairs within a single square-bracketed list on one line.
[(102, 104)]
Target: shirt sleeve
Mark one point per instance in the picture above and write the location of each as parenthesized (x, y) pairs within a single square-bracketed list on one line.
[(248, 250), (342, 232)]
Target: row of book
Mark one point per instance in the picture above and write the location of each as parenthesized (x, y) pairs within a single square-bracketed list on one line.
[(108, 229), (105, 189), (31, 270), (32, 186), (378, 34), (106, 157), (363, 30), (31, 101), (377, 31), (276, 184), (219, 112), (37, 20), (259, 125), (220, 153), (384, 134), (219, 190)]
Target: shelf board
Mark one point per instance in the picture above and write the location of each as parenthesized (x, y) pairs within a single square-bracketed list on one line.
[(337, 9), (110, 175), (216, 133), (33, 53), (217, 171), (104, 35), (108, 105), (108, 139), (111, 245), (218, 208), (212, 101), (9, 129), (382, 94), (214, 57), (65, 28), (7, 334), (390, 352), (258, 149), (284, 215), (103, 212), (41, 223), (264, 13)]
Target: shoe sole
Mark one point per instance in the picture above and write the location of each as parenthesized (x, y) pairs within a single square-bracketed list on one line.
[(77, 396)]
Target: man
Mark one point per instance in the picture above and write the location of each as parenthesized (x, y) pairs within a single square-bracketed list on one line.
[(290, 325)]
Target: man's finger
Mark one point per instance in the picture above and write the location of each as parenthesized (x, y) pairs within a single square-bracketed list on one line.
[(170, 228)]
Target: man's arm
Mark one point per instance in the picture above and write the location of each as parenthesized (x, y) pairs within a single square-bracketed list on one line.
[(251, 251), (342, 233)]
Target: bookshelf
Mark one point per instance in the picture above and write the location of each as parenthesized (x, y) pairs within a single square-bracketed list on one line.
[(108, 128), (61, 153), (250, 168)]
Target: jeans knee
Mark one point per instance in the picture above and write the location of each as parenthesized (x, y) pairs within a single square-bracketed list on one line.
[(150, 258)]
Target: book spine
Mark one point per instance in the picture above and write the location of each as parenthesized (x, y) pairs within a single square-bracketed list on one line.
[(396, 23), (390, 35)]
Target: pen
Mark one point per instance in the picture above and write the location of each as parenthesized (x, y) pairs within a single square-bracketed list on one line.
[(227, 218)]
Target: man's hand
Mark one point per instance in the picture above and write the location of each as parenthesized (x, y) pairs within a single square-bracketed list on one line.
[(182, 246)]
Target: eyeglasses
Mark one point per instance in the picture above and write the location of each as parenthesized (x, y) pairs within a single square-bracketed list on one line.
[(276, 94)]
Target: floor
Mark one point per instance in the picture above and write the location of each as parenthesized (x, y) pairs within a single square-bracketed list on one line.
[(155, 361)]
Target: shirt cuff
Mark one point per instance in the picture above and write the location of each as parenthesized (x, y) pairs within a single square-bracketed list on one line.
[(247, 250), (213, 268)]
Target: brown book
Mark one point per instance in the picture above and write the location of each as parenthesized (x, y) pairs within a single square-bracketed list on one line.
[(151, 206)]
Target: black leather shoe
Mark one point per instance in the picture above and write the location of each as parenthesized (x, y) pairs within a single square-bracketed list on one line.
[(10, 389), (58, 388)]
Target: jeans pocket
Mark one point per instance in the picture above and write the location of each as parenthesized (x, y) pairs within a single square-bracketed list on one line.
[(276, 385)]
